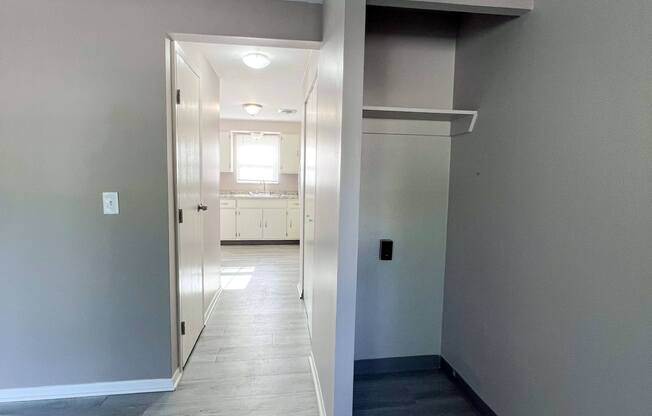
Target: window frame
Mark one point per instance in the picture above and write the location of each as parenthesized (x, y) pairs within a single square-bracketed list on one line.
[(236, 145)]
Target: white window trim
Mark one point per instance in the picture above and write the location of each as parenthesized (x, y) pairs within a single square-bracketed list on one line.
[(235, 144)]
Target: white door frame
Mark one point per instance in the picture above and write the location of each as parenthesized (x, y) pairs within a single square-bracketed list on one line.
[(171, 159), (302, 185)]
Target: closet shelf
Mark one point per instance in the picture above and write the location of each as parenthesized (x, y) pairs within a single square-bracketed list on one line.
[(499, 7), (462, 121)]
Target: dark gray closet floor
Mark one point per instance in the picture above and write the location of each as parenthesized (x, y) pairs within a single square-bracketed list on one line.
[(422, 393)]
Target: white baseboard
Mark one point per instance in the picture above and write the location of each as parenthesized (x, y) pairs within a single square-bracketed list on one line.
[(176, 378), (211, 307), (90, 389), (315, 380)]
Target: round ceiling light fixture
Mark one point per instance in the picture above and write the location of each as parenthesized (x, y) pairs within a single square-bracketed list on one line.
[(256, 60), (287, 111), (252, 108)]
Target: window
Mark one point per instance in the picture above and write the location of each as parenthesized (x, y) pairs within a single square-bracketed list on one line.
[(257, 157)]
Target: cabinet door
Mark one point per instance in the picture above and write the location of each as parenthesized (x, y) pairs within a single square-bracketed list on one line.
[(249, 224), (294, 218), (290, 153), (227, 224), (226, 152), (274, 223)]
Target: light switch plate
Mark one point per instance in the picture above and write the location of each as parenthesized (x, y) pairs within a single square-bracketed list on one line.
[(110, 203)]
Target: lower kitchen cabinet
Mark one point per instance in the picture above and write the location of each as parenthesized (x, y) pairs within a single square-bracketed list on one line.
[(259, 219), (227, 224), (249, 224), (293, 223), (274, 223)]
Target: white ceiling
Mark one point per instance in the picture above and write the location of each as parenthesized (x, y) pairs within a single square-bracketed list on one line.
[(277, 86)]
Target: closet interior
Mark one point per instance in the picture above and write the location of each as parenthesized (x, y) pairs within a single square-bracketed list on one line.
[(409, 121)]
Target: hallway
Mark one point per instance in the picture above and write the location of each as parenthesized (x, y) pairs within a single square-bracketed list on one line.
[(252, 358)]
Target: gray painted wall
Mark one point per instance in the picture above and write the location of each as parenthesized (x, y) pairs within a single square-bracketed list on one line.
[(86, 297), (409, 58), (409, 62), (548, 293), (403, 197)]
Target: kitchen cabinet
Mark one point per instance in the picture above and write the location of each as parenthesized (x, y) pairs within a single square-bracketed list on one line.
[(249, 223), (227, 224), (227, 219), (226, 152), (290, 153), (293, 223), (274, 223), (259, 219)]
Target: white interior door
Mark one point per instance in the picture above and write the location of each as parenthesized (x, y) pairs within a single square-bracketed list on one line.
[(190, 233), (310, 184)]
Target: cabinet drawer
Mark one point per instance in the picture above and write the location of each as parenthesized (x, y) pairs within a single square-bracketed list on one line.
[(227, 203), (294, 203)]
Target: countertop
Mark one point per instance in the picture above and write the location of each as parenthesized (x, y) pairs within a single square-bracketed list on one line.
[(258, 195)]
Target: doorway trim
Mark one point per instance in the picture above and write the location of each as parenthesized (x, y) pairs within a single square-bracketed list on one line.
[(302, 181), (176, 368)]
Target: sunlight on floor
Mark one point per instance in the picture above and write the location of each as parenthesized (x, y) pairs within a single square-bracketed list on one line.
[(236, 278)]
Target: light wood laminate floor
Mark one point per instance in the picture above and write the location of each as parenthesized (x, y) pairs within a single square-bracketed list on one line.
[(251, 359)]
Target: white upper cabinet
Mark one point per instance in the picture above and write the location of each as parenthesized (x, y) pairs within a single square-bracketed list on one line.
[(226, 152), (290, 153)]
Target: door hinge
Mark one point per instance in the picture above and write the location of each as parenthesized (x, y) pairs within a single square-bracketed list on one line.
[(183, 327), (178, 96), (180, 216)]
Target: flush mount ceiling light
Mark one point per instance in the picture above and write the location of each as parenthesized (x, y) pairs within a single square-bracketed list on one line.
[(252, 108), (287, 111), (256, 60)]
